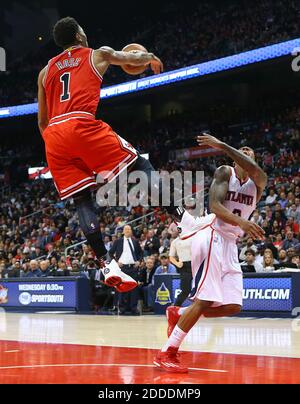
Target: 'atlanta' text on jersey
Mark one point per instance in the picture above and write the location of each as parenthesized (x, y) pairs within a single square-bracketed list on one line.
[(240, 198)]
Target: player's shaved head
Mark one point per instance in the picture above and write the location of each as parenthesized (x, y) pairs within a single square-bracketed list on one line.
[(67, 32), (248, 151)]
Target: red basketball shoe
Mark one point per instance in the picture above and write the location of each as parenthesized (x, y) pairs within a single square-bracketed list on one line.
[(114, 277), (169, 361)]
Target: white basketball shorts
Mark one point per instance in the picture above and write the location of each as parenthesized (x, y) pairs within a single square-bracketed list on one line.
[(217, 275)]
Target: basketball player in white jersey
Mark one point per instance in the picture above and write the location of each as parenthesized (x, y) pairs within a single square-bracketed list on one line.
[(217, 277)]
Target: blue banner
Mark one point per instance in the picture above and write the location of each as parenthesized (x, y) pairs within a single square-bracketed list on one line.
[(52, 293), (190, 72), (267, 294)]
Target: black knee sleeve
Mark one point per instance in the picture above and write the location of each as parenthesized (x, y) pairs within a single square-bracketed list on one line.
[(89, 222)]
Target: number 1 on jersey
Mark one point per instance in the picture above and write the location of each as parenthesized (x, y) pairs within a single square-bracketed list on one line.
[(65, 80)]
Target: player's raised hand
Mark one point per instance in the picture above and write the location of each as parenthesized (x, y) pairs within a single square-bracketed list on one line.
[(253, 230), (207, 140), (156, 65)]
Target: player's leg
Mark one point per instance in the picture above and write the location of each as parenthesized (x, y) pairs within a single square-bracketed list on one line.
[(206, 250), (232, 282), (89, 222), (232, 288), (73, 178), (90, 226), (225, 310)]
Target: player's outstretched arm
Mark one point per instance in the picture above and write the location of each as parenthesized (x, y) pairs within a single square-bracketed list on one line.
[(43, 111), (217, 195), (135, 58), (247, 163)]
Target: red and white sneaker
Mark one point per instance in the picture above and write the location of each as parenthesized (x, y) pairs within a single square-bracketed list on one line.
[(173, 316), (169, 361), (114, 277), (189, 225)]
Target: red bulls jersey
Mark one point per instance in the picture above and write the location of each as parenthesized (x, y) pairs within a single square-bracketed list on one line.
[(72, 83)]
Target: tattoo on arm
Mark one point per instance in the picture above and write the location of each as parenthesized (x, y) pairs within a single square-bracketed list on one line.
[(217, 196)]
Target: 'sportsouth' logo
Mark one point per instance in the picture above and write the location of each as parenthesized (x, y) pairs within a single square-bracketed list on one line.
[(106, 271), (25, 298), (163, 295), (3, 295)]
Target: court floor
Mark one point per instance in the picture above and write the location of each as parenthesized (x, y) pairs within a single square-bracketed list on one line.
[(71, 348)]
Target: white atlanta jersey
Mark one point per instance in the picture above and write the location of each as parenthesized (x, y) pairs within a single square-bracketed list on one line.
[(241, 200)]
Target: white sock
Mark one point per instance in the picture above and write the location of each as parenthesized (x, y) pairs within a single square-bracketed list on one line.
[(175, 339)]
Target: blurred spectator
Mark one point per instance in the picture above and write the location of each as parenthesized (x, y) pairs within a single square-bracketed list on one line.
[(283, 259), (76, 269), (283, 201), (165, 267), (278, 242), (294, 213), (249, 265), (271, 198), (102, 295), (256, 218), (3, 271), (146, 284), (34, 270), (268, 263), (107, 242), (249, 246), (152, 244), (296, 261), (62, 270), (15, 270), (45, 268), (290, 241)]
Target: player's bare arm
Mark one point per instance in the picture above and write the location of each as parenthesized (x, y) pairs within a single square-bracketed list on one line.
[(106, 56), (42, 105), (244, 161), (217, 195)]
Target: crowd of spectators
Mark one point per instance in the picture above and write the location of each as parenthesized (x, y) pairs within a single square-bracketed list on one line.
[(39, 233), (205, 31)]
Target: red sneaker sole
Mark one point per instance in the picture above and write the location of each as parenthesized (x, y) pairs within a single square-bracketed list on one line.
[(126, 286), (169, 370), (113, 281)]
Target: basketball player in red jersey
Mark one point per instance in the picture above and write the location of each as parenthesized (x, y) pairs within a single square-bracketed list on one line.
[(217, 276), (78, 147)]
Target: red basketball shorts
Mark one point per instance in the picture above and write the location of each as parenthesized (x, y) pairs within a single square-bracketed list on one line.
[(78, 147)]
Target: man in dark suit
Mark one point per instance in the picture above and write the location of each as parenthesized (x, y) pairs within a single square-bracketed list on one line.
[(152, 244), (128, 253)]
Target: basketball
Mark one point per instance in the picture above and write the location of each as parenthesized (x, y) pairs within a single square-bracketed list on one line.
[(130, 69)]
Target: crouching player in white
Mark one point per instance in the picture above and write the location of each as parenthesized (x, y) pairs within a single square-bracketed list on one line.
[(217, 276)]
